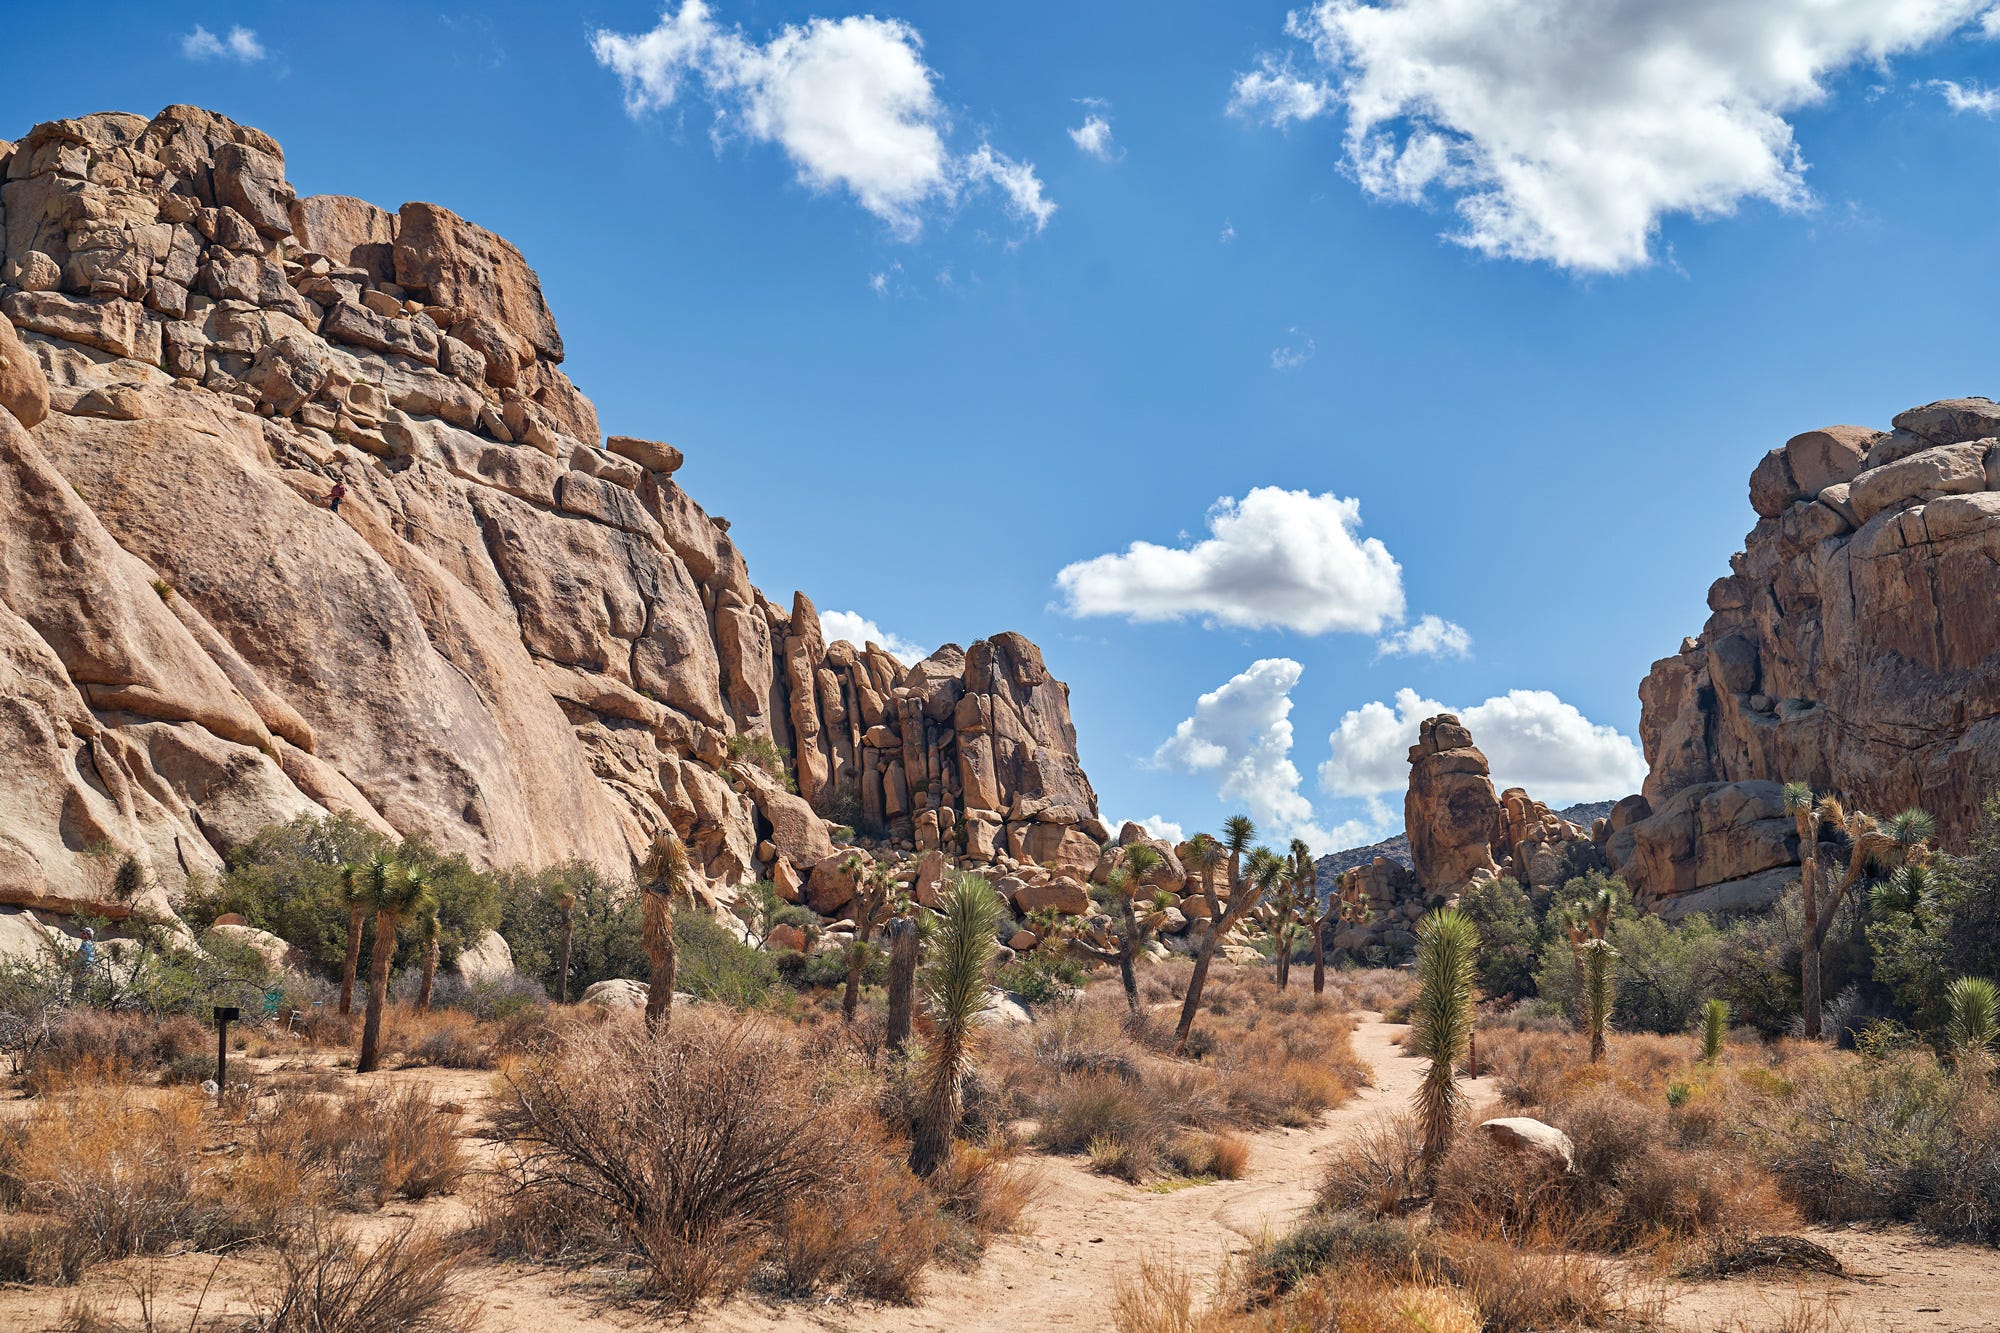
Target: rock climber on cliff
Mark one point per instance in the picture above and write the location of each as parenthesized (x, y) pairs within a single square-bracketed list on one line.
[(335, 496)]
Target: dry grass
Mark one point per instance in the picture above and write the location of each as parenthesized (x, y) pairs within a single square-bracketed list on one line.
[(410, 1282), (1096, 1080), (367, 1147), (90, 1046)]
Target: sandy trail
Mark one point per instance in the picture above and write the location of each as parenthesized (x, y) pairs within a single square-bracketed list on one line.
[(1088, 1228)]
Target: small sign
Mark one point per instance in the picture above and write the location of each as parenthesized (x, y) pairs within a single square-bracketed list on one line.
[(226, 1013)]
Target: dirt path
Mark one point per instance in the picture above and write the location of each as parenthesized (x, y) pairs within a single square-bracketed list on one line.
[(1088, 1227)]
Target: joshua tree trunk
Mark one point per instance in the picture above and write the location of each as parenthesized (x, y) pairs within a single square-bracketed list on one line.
[(1198, 979), (1127, 975), (1599, 990), (1284, 956), (356, 914), (1319, 956), (379, 958), (664, 955), (569, 931), (430, 974), (902, 981)]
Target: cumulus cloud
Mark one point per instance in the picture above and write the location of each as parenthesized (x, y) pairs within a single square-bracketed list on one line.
[(1959, 97), (1093, 138), (850, 101), (241, 45), (860, 631), (1531, 738), (1295, 353), (1431, 636), (1274, 559), (1241, 734), (1564, 130)]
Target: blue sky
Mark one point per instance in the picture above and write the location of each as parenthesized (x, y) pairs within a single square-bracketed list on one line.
[(1517, 291)]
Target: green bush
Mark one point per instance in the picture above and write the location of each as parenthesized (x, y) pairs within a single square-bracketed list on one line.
[(715, 965), (1041, 977), (1509, 935), (605, 942), (286, 880)]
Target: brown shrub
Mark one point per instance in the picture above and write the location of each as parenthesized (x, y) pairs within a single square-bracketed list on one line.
[(92, 1046), (410, 1282), (1377, 1171), (367, 1147), (110, 1175), (444, 1038), (705, 1146)]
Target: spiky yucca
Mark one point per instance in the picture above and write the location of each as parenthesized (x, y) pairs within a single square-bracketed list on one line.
[(662, 880), (1974, 1006), (394, 893), (1441, 1024), (1600, 990), (953, 984), (1714, 1030)]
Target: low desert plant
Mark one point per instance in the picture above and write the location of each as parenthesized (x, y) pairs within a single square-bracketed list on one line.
[(1714, 1030), (411, 1281), (1441, 1024)]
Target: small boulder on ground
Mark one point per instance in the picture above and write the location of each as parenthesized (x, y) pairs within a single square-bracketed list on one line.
[(1527, 1135)]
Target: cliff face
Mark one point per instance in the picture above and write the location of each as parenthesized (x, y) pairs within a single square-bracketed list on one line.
[(1854, 645), (521, 643)]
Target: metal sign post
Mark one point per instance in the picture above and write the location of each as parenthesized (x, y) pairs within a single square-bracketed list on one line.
[(224, 1014)]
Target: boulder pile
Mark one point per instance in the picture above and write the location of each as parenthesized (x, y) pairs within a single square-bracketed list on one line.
[(1854, 645), (512, 636)]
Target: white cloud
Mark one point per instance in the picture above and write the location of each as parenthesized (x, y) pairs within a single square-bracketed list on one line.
[(1429, 637), (850, 101), (1989, 23), (1531, 738), (1294, 354), (1228, 235), (1275, 558), (241, 45), (1156, 826), (1017, 180), (1093, 137), (1983, 101), (1241, 734), (1564, 130), (861, 631)]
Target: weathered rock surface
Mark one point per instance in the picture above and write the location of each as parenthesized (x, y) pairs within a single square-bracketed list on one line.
[(510, 639), (1451, 812), (1854, 645)]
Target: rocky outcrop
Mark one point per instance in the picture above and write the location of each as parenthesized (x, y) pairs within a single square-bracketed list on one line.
[(1451, 813), (1854, 645), (521, 643), (1460, 832)]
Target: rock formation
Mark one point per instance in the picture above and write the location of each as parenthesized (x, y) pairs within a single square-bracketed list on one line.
[(521, 643), (1461, 833), (1854, 645)]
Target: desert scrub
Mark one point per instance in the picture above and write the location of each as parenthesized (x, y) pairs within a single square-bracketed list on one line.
[(725, 1151)]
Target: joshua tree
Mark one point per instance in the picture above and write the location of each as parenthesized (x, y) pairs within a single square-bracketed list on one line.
[(954, 991), (431, 925), (565, 904), (1303, 881), (399, 891), (903, 942), (663, 879), (1599, 990), (1132, 928), (1903, 840), (357, 884), (1714, 1028), (1209, 855), (1441, 1025), (1974, 1006), (870, 909)]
